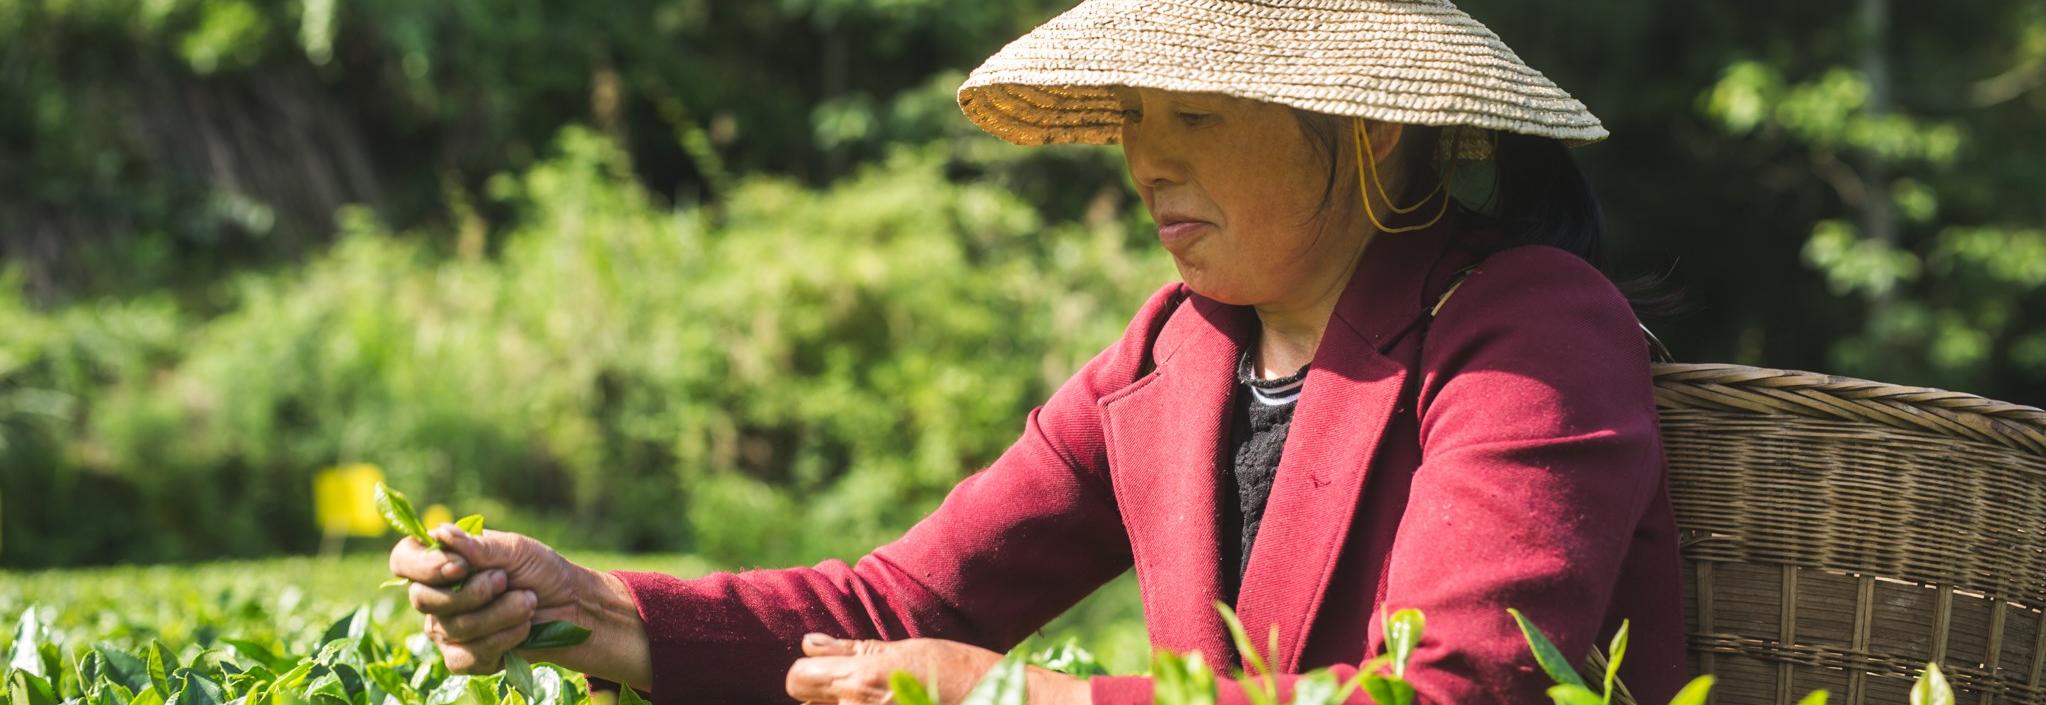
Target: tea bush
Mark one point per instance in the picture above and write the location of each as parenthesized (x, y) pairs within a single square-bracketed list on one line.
[(795, 374)]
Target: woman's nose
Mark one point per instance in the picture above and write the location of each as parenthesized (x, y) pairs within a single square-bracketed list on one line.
[(1152, 162)]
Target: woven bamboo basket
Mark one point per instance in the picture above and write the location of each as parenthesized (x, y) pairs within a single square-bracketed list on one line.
[(1840, 533)]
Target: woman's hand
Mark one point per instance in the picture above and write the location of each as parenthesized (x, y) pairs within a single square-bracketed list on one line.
[(855, 672), (509, 582)]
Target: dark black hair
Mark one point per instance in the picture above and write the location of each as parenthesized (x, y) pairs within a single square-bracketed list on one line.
[(1536, 195)]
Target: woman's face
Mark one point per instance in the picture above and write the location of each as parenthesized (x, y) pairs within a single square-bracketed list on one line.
[(1237, 189)]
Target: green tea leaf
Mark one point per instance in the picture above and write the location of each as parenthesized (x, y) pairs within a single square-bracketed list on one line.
[(398, 511), (1069, 658), (628, 696), (1402, 636), (1545, 653), (327, 689), (161, 662), (122, 668), (471, 525), (1317, 688), (388, 680), (548, 686), (393, 582), (555, 634), (28, 636), (147, 696), (1694, 692), (25, 688), (1388, 690), (1816, 697), (1182, 680), (1264, 689), (195, 688), (1932, 688), (1003, 684), (1567, 694), (255, 652), (519, 674), (907, 689), (1616, 651)]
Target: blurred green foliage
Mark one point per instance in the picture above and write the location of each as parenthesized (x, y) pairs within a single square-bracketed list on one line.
[(802, 378), (735, 277)]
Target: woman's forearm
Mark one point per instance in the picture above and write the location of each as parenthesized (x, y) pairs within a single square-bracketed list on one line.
[(617, 649)]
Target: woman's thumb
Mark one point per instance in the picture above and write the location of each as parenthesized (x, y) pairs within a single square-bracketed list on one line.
[(815, 644), (479, 551)]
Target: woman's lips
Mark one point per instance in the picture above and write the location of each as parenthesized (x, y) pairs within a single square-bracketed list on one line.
[(1181, 231)]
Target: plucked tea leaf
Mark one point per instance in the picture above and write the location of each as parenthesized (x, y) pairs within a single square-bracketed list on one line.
[(1545, 653), (554, 634), (471, 525), (398, 511), (1816, 697), (393, 582)]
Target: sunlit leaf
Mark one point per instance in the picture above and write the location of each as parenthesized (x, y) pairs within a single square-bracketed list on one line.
[(1552, 661)]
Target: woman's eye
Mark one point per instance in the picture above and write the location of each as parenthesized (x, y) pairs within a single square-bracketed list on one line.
[(1195, 119)]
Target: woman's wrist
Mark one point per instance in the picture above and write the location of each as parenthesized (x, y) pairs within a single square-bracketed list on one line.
[(1048, 687), (617, 649)]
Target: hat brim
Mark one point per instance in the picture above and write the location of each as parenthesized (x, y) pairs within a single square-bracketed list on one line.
[(1421, 62)]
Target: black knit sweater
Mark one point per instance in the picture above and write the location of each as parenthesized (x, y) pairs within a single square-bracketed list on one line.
[(1261, 412)]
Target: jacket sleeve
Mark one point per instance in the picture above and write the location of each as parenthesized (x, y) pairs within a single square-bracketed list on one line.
[(1011, 547), (1540, 454)]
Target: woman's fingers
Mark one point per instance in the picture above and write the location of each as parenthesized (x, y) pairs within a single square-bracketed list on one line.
[(845, 680), (815, 644), (485, 654), (413, 561), (475, 592), (512, 609)]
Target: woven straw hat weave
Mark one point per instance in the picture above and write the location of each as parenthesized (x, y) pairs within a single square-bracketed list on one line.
[(1420, 62)]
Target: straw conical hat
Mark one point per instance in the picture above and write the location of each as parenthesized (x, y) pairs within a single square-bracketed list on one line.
[(1419, 62)]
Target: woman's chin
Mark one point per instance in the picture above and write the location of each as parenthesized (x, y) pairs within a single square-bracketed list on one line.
[(1208, 284)]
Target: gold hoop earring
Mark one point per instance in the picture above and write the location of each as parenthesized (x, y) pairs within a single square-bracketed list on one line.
[(1365, 185)]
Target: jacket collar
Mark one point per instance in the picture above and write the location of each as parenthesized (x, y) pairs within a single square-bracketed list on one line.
[(1168, 435)]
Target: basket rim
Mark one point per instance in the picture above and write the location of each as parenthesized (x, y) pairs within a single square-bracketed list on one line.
[(1726, 387)]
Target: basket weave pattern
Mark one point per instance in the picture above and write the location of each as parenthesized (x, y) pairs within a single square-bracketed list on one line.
[(1839, 533)]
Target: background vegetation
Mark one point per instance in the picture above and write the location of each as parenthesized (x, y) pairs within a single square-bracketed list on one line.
[(734, 277)]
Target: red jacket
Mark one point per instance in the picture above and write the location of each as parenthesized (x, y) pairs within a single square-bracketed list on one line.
[(1530, 474)]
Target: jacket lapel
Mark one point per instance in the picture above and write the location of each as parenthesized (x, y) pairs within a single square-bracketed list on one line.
[(1349, 399), (1166, 436)]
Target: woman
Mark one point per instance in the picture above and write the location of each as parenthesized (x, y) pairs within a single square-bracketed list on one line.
[(1306, 427)]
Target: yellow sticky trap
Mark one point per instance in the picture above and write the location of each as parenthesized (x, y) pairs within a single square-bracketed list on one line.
[(436, 515), (342, 503)]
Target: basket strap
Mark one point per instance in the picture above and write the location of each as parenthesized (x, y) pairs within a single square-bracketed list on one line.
[(1657, 352)]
